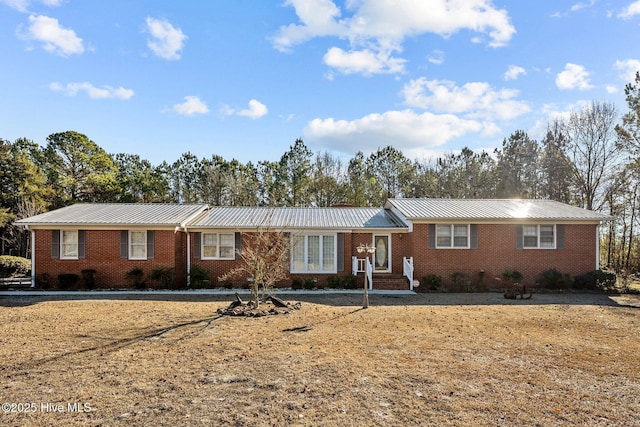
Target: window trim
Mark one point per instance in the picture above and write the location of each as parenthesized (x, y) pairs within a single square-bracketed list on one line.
[(62, 244), (130, 245), (555, 236), (305, 253), (452, 236), (217, 256)]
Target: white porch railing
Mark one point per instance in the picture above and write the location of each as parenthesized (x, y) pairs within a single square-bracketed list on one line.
[(362, 265), (369, 272), (407, 270), (357, 265)]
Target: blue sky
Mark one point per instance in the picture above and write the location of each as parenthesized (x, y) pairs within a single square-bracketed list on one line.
[(244, 78)]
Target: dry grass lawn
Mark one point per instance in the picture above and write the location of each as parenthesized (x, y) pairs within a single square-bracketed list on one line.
[(437, 359)]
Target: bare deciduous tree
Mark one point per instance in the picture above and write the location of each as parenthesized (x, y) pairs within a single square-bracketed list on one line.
[(264, 258), (591, 147)]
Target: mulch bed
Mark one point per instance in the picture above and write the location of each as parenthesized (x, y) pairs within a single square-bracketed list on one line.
[(271, 306)]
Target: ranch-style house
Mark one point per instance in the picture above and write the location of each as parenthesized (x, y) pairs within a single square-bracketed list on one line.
[(412, 238)]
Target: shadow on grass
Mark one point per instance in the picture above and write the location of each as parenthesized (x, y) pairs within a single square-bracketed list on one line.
[(307, 328), (113, 345)]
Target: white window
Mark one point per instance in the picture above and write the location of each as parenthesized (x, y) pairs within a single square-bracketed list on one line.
[(137, 244), (218, 246), (313, 253), (452, 235), (69, 244), (539, 236)]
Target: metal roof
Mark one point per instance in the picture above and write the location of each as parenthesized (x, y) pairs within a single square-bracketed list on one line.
[(492, 209), (201, 216), (297, 218), (117, 214)]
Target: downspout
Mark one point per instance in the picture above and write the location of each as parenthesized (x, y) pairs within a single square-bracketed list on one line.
[(598, 247), (33, 256), (188, 257)]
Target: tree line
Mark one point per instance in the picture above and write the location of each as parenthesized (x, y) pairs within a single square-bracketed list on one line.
[(589, 158)]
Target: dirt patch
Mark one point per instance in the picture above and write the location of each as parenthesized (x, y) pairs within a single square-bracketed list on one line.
[(437, 359)]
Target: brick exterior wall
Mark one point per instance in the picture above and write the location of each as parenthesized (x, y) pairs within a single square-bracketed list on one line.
[(217, 268), (497, 252), (103, 255)]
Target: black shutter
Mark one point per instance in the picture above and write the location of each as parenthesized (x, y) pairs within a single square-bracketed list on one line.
[(124, 244), (82, 240), (340, 252), (519, 234), (197, 248), (151, 244), (474, 236), (238, 237), (560, 236), (432, 236), (55, 244)]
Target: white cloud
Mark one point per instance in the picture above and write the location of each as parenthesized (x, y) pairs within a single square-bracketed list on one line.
[(611, 89), (631, 10), (106, 92), (573, 77), (437, 57), (475, 99), (579, 6), (317, 17), (167, 41), (256, 110), (377, 28), (55, 39), (628, 69), (513, 72), (404, 129), (23, 5), (576, 7), (363, 61), (553, 112), (192, 105)]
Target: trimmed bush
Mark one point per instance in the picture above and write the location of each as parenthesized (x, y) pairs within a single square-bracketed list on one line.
[(164, 276), (14, 266), (553, 279), (198, 276), (89, 278), (309, 284), (135, 278), (513, 276), (67, 281), (43, 281), (334, 282), (349, 282), (461, 281), (296, 284), (596, 280), (430, 282)]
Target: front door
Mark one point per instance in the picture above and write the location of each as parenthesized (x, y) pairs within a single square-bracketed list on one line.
[(382, 255)]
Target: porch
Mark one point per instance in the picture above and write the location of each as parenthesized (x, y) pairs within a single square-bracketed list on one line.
[(383, 280)]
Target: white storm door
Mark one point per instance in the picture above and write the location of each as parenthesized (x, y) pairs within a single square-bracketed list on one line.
[(382, 255)]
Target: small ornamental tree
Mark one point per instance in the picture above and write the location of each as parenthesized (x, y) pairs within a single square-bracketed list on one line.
[(264, 259)]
